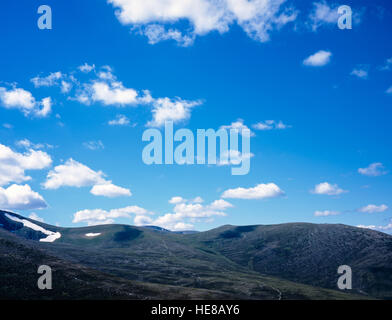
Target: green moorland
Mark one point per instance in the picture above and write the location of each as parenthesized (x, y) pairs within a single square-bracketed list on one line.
[(288, 261)]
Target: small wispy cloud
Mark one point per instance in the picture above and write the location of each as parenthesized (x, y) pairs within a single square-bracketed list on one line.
[(373, 170), (120, 120), (361, 73), (325, 213), (94, 145), (270, 125), (372, 208)]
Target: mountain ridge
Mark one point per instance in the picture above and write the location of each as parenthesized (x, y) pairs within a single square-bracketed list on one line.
[(298, 259)]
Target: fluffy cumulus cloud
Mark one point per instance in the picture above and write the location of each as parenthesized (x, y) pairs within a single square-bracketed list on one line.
[(20, 197), (318, 59), (270, 125), (98, 85), (14, 164), (183, 216), (108, 91), (165, 109), (160, 20), (110, 190), (175, 200), (373, 170), (328, 189), (75, 174), (372, 208), (23, 100), (261, 191), (187, 212), (325, 213), (100, 216)]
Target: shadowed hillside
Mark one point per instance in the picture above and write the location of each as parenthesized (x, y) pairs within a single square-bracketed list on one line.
[(251, 262)]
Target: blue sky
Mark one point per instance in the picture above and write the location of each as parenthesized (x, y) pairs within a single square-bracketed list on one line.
[(66, 158)]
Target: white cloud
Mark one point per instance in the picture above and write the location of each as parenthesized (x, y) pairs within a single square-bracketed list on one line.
[(65, 86), (86, 68), (374, 227), (110, 190), (165, 109), (220, 205), (175, 200), (384, 228), (367, 227), (157, 33), (35, 217), (387, 65), (142, 221), (190, 211), (328, 189), (233, 157), (258, 18), (100, 216), (373, 170), (73, 174), (46, 109), (76, 174), (23, 100), (372, 208), (94, 145), (120, 120), (14, 164), (270, 125), (261, 191), (185, 212), (101, 86), (360, 73), (319, 59), (113, 93), (324, 14), (389, 90), (238, 125), (27, 144), (326, 213), (20, 197), (48, 81)]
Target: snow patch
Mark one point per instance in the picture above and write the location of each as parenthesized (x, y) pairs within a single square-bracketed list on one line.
[(51, 236), (92, 235)]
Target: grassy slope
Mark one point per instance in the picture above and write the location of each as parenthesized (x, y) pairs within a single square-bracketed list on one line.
[(218, 263)]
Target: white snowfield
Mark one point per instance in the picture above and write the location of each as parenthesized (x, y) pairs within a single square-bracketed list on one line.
[(51, 236), (92, 234)]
